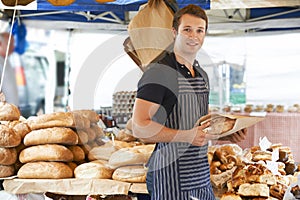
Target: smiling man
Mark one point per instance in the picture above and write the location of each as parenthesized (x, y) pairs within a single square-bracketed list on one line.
[(172, 95)]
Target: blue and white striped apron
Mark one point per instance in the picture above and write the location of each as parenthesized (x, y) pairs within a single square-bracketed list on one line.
[(177, 170)]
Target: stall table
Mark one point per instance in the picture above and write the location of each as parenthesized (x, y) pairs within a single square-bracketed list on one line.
[(281, 128)]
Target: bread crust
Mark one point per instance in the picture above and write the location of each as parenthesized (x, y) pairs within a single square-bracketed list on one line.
[(19, 2), (9, 112), (6, 171), (8, 138), (45, 170), (131, 174), (55, 135), (8, 156), (46, 152)]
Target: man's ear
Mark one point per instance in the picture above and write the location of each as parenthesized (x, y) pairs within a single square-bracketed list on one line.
[(174, 32)]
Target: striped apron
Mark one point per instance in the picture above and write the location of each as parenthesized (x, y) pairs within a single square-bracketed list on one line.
[(177, 170)]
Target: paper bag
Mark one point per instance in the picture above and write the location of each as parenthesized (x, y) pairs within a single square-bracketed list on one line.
[(150, 31)]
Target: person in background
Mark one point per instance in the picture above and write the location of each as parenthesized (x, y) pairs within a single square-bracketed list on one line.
[(9, 84), (172, 95)]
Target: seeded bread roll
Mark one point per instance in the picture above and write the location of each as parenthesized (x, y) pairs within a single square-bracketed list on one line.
[(45, 170), (46, 152), (8, 156), (55, 135), (8, 138)]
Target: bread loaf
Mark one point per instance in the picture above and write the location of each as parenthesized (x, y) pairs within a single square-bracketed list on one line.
[(89, 114), (8, 156), (254, 190), (218, 124), (61, 2), (6, 171), (93, 170), (9, 112), (83, 137), (98, 130), (45, 170), (8, 138), (21, 129), (46, 152), (78, 153), (16, 2), (55, 135), (131, 174), (127, 156), (58, 119)]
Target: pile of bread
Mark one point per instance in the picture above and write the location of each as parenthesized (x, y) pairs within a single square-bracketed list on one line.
[(252, 173), (68, 145)]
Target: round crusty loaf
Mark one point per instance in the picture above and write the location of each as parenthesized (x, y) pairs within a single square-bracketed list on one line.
[(78, 153), (9, 112), (45, 170), (93, 170), (46, 152), (8, 138), (6, 171), (8, 156), (218, 124), (55, 135), (132, 174), (13, 2)]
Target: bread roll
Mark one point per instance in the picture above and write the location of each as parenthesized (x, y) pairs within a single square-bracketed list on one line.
[(98, 130), (9, 112), (90, 114), (254, 190), (8, 138), (127, 156), (91, 134), (83, 137), (55, 135), (45, 170), (13, 2), (8, 156), (78, 153), (101, 153), (58, 119), (46, 152), (61, 2), (131, 174), (230, 196), (125, 135), (21, 129), (94, 170), (6, 171)]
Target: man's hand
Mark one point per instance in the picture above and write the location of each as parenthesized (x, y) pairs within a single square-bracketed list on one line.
[(237, 136)]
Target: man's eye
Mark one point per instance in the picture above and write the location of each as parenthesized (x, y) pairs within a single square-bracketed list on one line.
[(187, 30)]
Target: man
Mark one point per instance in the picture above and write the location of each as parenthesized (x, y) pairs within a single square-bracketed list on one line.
[(9, 84), (172, 95)]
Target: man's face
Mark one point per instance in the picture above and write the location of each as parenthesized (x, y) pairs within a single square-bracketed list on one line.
[(190, 35)]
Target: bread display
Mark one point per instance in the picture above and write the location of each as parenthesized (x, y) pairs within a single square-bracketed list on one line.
[(45, 170)]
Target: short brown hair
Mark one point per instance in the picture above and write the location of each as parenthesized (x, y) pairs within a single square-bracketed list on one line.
[(192, 10)]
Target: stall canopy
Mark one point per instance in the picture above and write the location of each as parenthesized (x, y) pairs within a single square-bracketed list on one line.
[(229, 14)]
